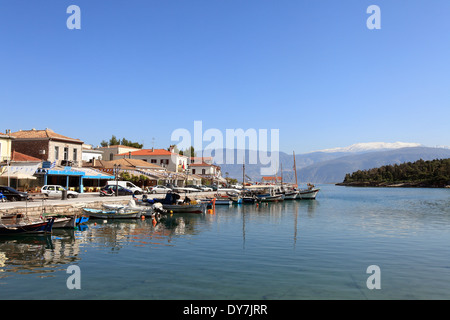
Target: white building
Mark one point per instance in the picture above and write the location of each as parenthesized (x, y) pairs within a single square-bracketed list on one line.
[(167, 159), (88, 153), (110, 152)]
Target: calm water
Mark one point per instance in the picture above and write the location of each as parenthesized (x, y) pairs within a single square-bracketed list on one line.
[(292, 250)]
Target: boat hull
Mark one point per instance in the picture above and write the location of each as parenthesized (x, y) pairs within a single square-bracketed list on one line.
[(188, 208), (38, 227), (224, 202), (100, 214), (271, 198), (65, 222), (308, 194)]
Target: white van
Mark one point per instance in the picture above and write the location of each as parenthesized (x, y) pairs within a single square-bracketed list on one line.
[(127, 185)]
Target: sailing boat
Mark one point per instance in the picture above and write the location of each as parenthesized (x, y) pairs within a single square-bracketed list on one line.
[(289, 194), (309, 193)]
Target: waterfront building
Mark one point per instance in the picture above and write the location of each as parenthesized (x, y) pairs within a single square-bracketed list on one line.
[(60, 157), (5, 146), (110, 152), (19, 172), (204, 168), (88, 153), (49, 146), (165, 158)]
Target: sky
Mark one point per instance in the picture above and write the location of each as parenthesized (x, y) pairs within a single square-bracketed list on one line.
[(140, 69)]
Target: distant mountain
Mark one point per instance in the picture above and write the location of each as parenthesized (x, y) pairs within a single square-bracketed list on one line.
[(332, 171), (373, 146), (331, 167)]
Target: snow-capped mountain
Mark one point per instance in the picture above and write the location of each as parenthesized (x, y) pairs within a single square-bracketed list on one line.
[(372, 146)]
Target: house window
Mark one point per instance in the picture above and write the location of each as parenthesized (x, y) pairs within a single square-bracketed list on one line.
[(66, 153), (111, 156), (193, 171), (203, 171), (74, 154), (56, 153), (153, 161)]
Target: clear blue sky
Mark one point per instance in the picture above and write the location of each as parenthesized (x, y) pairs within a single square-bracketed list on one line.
[(312, 69)]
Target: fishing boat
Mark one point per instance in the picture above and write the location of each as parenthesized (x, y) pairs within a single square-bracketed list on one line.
[(112, 214), (271, 197), (145, 210), (266, 193), (308, 194), (224, 201), (19, 224), (185, 208), (172, 203), (291, 194), (64, 222)]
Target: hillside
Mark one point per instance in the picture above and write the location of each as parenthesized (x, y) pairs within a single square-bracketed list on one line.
[(334, 171), (433, 173), (331, 167)]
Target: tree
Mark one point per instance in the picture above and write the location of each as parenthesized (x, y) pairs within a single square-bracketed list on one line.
[(190, 152), (124, 142)]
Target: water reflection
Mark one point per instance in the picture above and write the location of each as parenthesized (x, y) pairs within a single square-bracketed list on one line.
[(37, 254), (154, 232), (44, 253)]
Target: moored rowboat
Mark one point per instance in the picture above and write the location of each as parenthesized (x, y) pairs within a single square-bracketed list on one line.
[(20, 226), (112, 214), (185, 208)]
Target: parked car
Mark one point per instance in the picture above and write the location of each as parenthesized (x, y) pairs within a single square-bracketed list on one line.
[(186, 189), (160, 189), (55, 191), (110, 190), (12, 194), (205, 188)]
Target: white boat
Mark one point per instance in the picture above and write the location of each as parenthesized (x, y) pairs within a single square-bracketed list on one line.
[(308, 194), (145, 210), (270, 197), (291, 195)]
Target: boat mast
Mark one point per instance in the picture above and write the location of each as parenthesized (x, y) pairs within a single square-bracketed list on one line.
[(281, 173), (243, 176), (295, 169)]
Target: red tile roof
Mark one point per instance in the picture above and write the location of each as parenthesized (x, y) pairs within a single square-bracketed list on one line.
[(203, 164), (17, 156), (149, 152), (41, 134)]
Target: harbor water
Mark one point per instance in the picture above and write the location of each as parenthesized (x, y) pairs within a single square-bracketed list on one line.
[(296, 249)]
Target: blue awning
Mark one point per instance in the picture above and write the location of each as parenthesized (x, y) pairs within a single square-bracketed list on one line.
[(85, 173)]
